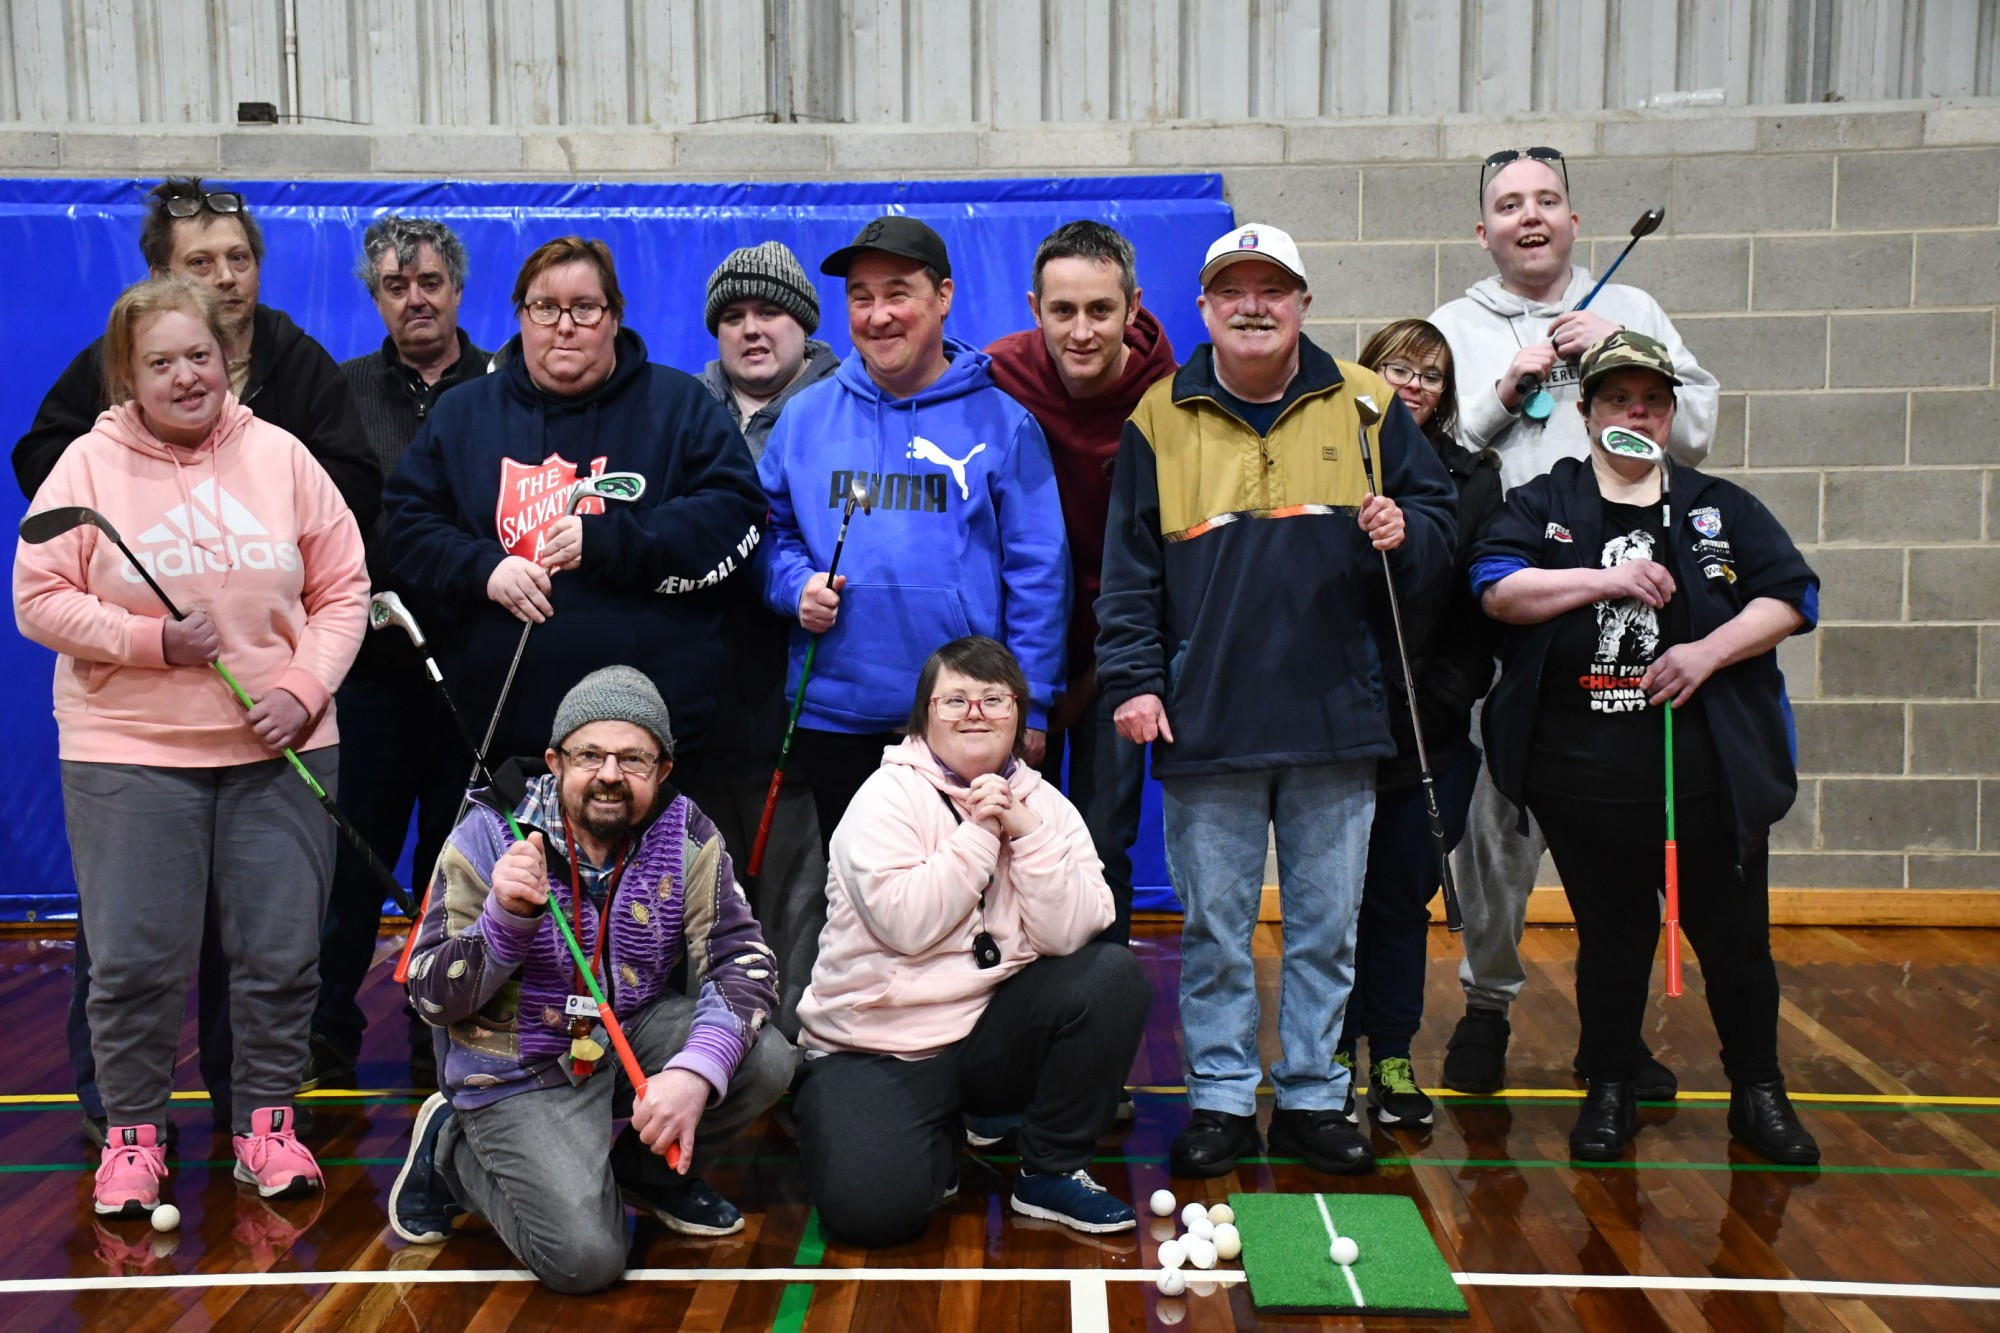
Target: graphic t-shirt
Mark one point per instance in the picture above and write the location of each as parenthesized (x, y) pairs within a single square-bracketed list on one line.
[(1596, 738)]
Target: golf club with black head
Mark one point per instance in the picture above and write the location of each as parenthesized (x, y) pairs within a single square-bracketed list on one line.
[(386, 609), (621, 486), (857, 494), (1454, 920), (52, 523), (1648, 223), (1631, 444)]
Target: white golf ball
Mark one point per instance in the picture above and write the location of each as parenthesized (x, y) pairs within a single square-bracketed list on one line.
[(166, 1217), (1162, 1203), (1199, 1225), (1191, 1212), (1228, 1241), (1171, 1282), (1344, 1251), (1200, 1252), (1219, 1213), (1196, 1287), (1172, 1254)]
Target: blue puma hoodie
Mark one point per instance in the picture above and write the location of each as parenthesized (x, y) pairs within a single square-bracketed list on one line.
[(965, 536)]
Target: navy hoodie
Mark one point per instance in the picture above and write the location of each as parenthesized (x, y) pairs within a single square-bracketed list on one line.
[(966, 536), (644, 594)]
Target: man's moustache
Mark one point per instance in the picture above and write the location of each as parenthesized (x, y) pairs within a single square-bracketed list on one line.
[(1248, 322)]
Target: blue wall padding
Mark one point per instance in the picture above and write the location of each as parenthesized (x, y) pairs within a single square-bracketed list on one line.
[(75, 247)]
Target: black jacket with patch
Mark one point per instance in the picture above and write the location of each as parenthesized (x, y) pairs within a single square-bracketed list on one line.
[(1726, 550)]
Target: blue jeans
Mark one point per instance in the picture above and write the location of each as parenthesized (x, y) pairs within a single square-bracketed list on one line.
[(1216, 828)]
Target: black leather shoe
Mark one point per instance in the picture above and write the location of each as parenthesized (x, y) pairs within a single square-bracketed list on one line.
[(1211, 1143), (1324, 1139), (1655, 1082), (1761, 1119), (1604, 1129), (1475, 1059)]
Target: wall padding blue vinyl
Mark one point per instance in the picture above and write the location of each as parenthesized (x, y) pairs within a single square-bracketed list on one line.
[(75, 245)]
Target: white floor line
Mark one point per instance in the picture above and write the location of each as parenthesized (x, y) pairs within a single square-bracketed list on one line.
[(1221, 1276), (1089, 1306), (1347, 1270)]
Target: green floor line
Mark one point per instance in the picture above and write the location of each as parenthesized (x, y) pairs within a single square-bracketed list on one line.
[(21, 1168), (796, 1299)]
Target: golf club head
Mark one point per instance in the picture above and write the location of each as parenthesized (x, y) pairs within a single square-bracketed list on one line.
[(52, 523), (857, 494), (1649, 222), (1631, 444), (386, 608), (621, 486), (1370, 414)]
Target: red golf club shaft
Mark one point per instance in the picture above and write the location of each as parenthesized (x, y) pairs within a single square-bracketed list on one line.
[(1673, 919)]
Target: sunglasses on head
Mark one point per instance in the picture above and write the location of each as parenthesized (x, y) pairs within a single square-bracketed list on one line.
[(215, 201), (1507, 155)]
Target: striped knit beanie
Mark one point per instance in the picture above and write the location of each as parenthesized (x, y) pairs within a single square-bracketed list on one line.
[(767, 272)]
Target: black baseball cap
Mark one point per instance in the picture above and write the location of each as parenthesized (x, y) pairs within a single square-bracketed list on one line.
[(893, 234)]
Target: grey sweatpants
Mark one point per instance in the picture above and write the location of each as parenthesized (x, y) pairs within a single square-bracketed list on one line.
[(149, 844), (1494, 866), (543, 1170)]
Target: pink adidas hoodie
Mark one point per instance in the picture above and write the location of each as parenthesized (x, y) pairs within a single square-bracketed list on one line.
[(895, 974), (248, 527)]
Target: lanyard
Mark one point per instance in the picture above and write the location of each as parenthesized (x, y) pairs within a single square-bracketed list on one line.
[(576, 898)]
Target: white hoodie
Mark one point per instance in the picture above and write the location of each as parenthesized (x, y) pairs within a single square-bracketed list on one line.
[(1489, 324)]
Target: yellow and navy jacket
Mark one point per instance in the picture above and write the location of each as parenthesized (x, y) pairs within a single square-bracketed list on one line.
[(1238, 585)]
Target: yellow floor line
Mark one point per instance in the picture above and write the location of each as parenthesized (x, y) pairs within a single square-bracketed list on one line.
[(1574, 1094)]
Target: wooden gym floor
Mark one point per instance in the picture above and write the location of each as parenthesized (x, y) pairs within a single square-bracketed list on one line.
[(1888, 1034)]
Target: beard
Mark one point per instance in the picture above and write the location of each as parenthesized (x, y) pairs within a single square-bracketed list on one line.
[(606, 827)]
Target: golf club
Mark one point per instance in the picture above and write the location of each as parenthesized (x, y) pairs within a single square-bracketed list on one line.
[(857, 494), (622, 486), (1631, 444), (1454, 920), (52, 523), (386, 609), (1648, 223)]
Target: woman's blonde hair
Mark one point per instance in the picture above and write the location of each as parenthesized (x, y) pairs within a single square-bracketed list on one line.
[(142, 300)]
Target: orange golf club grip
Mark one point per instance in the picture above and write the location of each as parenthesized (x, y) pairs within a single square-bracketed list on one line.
[(1673, 919), (764, 825), (632, 1071), (402, 972)]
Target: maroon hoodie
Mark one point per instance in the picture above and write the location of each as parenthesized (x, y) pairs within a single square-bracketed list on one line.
[(1083, 438)]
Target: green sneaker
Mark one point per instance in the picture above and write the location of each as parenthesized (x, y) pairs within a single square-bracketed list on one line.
[(1348, 1110), (1394, 1095)]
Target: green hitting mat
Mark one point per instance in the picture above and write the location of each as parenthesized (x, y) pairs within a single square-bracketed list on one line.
[(1287, 1237)]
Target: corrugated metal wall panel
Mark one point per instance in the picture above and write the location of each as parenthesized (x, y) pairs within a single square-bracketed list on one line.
[(389, 63)]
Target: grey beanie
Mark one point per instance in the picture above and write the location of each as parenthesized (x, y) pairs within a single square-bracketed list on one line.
[(614, 694), (767, 272)]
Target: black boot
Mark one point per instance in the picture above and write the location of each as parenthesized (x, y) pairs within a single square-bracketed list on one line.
[(1211, 1143), (1604, 1129), (1761, 1119), (1655, 1083), (1475, 1059)]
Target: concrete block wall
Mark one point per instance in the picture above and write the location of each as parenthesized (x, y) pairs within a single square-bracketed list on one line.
[(1837, 267)]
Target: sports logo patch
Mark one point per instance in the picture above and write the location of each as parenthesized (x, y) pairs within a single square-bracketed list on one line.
[(1556, 532), (533, 496), (1247, 241), (1707, 521)]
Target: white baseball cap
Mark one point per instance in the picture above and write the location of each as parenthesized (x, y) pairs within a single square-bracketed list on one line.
[(1254, 240)]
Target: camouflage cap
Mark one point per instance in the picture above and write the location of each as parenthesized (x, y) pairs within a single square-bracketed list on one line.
[(1625, 350)]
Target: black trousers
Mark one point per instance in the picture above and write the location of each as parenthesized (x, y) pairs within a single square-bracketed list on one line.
[(835, 764), (879, 1135), (1611, 858)]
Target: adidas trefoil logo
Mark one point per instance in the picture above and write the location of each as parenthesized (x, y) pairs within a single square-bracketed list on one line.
[(215, 532)]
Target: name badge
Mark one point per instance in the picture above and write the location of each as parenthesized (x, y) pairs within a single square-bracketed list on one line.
[(580, 1006)]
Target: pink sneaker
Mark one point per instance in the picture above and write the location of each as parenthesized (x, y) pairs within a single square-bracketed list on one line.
[(272, 1159), (130, 1171)]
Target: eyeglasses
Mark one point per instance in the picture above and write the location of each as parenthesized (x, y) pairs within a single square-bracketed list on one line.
[(216, 201), (1399, 374), (584, 314), (954, 707), (1506, 155), (631, 765)]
